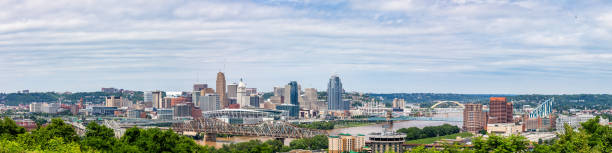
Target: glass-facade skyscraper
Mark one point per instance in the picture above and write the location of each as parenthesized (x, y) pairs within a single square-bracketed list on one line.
[(293, 93), (334, 95)]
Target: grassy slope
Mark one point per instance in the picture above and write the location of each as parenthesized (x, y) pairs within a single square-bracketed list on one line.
[(434, 139)]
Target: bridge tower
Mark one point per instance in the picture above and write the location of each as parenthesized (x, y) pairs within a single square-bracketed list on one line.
[(389, 121), (210, 137)]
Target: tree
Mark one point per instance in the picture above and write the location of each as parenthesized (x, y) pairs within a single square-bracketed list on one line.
[(9, 129), (99, 137), (412, 133), (572, 141)]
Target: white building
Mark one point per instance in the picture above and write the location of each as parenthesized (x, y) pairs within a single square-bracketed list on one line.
[(51, 108), (241, 96), (575, 120), (36, 107)]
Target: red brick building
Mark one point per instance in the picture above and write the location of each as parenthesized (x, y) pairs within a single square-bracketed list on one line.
[(500, 111), (474, 119)]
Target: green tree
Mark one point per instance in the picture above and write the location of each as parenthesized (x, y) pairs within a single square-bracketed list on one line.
[(412, 133), (9, 129), (571, 141), (99, 137)]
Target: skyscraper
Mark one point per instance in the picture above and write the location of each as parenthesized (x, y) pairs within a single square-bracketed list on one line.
[(278, 91), (474, 119), (231, 90), (500, 111), (310, 98), (157, 99), (209, 102), (199, 87), (241, 96), (221, 90), (334, 95), (293, 93)]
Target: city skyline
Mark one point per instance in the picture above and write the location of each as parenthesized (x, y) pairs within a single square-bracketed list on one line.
[(448, 46)]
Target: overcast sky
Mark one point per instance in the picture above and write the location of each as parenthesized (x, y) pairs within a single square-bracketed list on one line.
[(444, 46)]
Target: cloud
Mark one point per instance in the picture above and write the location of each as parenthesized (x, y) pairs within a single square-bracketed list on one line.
[(117, 42)]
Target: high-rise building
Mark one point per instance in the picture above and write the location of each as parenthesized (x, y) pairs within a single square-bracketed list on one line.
[(334, 95), (148, 97), (292, 92), (232, 90), (474, 119), (310, 99), (157, 99), (500, 111), (346, 143), (199, 87), (221, 89), (278, 91), (210, 102), (242, 98), (114, 101)]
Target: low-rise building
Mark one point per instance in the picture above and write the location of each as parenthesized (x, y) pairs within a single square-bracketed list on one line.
[(504, 129), (346, 143), (575, 120), (165, 114), (103, 111)]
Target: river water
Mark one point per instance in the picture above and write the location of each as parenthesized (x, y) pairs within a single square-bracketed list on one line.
[(366, 130)]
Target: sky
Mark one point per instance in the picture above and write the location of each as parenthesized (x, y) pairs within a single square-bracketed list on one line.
[(388, 46)]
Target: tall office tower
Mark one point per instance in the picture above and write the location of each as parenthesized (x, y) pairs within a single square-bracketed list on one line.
[(292, 96), (500, 111), (399, 103), (241, 96), (334, 95), (287, 94), (148, 97), (210, 102), (474, 119), (231, 90), (311, 98), (221, 90), (199, 87), (278, 91), (113, 101), (157, 99)]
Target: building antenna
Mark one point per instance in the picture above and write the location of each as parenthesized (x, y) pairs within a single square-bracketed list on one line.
[(224, 62)]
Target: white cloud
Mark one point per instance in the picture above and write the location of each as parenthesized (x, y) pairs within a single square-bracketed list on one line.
[(258, 39)]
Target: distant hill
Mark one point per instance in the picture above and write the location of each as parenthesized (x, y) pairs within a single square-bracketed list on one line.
[(95, 97), (562, 102)]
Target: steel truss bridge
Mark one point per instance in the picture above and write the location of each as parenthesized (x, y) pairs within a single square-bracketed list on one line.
[(275, 129)]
